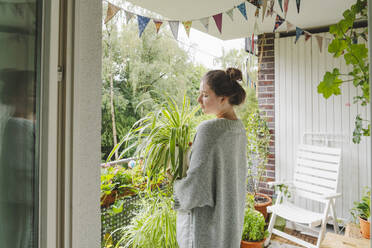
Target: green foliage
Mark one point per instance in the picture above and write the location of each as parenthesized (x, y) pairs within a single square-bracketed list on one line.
[(163, 139), (153, 226), (258, 135), (254, 226), (345, 43), (362, 209)]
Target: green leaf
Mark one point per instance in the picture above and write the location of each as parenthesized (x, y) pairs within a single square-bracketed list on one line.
[(331, 84), (337, 47)]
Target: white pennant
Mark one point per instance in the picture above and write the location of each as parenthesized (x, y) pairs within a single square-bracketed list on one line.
[(264, 6), (205, 22), (255, 28), (230, 13), (174, 27), (128, 16), (319, 39)]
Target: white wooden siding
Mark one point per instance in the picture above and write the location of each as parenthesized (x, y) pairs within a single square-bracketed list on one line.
[(299, 108)]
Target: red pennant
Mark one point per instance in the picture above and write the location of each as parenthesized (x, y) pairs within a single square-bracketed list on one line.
[(218, 19), (307, 36)]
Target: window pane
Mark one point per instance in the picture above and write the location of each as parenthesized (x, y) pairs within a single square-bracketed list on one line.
[(19, 84)]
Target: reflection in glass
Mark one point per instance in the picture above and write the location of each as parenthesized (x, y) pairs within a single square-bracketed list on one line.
[(18, 166)]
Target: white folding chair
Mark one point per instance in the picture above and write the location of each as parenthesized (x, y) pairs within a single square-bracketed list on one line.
[(315, 178)]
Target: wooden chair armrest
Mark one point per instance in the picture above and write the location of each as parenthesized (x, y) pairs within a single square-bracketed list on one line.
[(331, 196)]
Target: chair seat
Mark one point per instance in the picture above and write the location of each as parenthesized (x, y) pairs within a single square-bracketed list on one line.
[(294, 213)]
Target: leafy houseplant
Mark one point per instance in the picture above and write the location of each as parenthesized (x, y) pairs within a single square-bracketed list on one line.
[(362, 211), (153, 226), (258, 142), (254, 232), (345, 43), (162, 139)]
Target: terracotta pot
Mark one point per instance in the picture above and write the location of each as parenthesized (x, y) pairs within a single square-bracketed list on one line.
[(108, 200), (364, 228), (261, 207), (248, 244)]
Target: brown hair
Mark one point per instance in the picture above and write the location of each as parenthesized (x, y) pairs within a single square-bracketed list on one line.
[(224, 83)]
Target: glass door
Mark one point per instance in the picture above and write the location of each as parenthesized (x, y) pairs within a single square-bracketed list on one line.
[(19, 122)]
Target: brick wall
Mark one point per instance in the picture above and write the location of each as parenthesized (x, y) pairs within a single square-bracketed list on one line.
[(266, 99)]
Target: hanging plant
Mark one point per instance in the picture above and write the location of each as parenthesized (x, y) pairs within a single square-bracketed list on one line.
[(345, 43)]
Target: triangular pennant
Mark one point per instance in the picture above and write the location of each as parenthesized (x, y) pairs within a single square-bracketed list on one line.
[(255, 28), (142, 23), (243, 10), (264, 6), (187, 26), (218, 19), (319, 39), (289, 26), (281, 4), (285, 8), (174, 27), (252, 43), (205, 22), (298, 2), (278, 21), (157, 25), (112, 10), (230, 13), (270, 11), (128, 16), (307, 36), (299, 32)]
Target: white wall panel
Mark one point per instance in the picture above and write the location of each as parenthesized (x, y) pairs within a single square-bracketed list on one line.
[(299, 108)]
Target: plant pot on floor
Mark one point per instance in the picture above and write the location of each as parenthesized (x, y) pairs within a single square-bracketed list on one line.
[(261, 202), (248, 244), (364, 228)]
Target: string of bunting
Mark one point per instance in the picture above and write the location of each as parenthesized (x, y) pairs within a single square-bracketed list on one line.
[(143, 21)]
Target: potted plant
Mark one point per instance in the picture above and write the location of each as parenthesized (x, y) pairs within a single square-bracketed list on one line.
[(254, 233), (162, 139), (361, 211), (258, 142)]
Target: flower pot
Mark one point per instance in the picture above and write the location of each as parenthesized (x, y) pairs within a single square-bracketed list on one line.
[(262, 206), (364, 228), (250, 244)]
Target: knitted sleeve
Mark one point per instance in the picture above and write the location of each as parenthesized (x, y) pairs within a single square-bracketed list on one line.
[(196, 189)]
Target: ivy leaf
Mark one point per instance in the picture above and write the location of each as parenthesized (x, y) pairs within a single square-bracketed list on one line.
[(331, 84), (359, 51), (337, 47)]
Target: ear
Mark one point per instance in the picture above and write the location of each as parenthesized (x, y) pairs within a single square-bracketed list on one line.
[(223, 99)]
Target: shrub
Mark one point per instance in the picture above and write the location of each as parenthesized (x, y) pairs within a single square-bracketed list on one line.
[(254, 226)]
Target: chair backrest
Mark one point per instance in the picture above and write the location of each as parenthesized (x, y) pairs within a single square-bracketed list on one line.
[(316, 171)]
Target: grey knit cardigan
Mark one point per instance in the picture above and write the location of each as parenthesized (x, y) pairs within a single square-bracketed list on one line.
[(210, 200)]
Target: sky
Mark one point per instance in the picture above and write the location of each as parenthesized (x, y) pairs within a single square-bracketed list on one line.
[(203, 48)]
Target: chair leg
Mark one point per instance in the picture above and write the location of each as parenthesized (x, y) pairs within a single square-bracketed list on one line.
[(324, 224), (270, 228), (335, 224)]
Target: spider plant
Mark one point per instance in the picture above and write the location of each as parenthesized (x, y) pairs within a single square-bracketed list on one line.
[(162, 139)]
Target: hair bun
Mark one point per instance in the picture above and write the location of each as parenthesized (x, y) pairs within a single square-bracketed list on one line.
[(234, 74)]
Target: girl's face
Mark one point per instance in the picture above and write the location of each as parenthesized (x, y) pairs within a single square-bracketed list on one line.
[(209, 101)]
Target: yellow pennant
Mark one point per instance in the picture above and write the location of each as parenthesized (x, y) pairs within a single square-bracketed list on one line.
[(157, 25), (187, 26)]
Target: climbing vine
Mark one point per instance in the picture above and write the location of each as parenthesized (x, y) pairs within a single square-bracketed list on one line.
[(345, 42)]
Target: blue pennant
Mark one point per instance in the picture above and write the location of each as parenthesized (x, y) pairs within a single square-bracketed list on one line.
[(243, 10), (298, 2), (142, 23), (299, 32)]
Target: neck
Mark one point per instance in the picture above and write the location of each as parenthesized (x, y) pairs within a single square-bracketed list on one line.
[(227, 115)]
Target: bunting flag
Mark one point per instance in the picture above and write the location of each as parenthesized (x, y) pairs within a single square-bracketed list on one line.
[(285, 8), (218, 19), (257, 13), (205, 22), (281, 4), (289, 26), (112, 10), (252, 43), (174, 28), (264, 6), (298, 2), (307, 36), (278, 21), (187, 26), (255, 28), (157, 25), (128, 16), (142, 23), (299, 32), (230, 13), (243, 10), (270, 11), (319, 39)]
